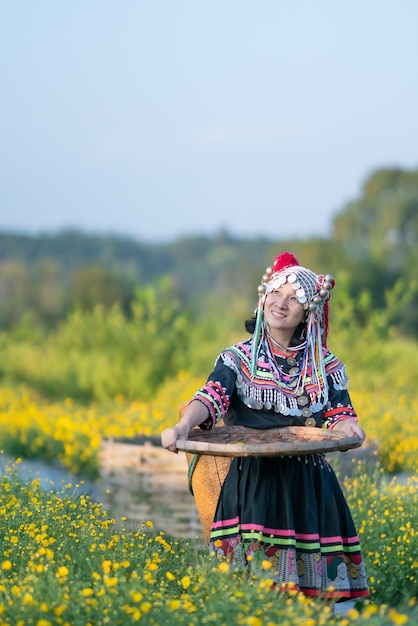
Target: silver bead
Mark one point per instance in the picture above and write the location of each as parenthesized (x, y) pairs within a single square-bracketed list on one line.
[(261, 289), (313, 306), (317, 300), (327, 285), (265, 277), (323, 292), (269, 270)]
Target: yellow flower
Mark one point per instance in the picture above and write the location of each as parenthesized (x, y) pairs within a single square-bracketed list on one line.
[(266, 564), (27, 599), (136, 596), (174, 605), (6, 565), (146, 607), (223, 567), (153, 567), (59, 610), (371, 609), (253, 621), (170, 576), (186, 582), (397, 618), (87, 591), (63, 571)]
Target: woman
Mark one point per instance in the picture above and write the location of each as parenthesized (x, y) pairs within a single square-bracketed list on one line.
[(288, 510)]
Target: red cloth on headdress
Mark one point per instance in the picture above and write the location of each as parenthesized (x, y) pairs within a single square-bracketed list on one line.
[(285, 259)]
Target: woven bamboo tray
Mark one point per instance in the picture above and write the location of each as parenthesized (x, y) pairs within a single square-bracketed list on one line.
[(230, 441)]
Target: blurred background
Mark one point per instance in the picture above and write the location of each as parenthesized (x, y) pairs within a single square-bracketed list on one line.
[(143, 139), (156, 120), (155, 157)]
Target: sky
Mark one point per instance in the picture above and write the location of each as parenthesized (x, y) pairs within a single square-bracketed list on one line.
[(161, 119)]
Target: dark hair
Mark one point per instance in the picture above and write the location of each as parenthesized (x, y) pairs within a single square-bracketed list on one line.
[(297, 337), (250, 325)]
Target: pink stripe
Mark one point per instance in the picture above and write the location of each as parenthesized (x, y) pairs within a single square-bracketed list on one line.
[(286, 533), (246, 350), (336, 539), (224, 523), (212, 391), (354, 539), (271, 531)]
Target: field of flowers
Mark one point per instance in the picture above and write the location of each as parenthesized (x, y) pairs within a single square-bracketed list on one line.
[(63, 561), (32, 426)]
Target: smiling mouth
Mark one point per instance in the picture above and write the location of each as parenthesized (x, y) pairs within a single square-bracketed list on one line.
[(278, 314)]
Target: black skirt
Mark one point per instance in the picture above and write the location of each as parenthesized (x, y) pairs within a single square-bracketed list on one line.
[(288, 517)]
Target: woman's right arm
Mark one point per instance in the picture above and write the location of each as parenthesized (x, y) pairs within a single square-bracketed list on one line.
[(196, 413)]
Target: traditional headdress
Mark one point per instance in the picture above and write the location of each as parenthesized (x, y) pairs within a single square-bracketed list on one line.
[(313, 292)]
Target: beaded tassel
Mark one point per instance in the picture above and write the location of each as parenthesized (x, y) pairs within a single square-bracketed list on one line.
[(256, 341)]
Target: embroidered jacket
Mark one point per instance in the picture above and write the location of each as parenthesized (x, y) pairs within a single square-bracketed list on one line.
[(281, 393)]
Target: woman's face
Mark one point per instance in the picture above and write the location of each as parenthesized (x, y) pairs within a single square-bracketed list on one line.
[(282, 310)]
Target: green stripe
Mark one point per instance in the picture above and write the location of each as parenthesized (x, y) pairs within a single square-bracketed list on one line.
[(304, 546), (268, 540), (352, 548), (234, 530)]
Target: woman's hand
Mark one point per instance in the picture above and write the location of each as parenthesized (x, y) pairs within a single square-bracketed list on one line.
[(350, 427), (170, 435), (196, 413)]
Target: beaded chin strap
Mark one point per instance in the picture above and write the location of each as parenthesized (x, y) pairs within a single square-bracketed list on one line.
[(313, 292)]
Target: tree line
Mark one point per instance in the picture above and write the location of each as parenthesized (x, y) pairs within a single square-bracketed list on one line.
[(372, 251)]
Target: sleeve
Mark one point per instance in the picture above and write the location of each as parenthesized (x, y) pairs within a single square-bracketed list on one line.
[(216, 393), (339, 406)]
